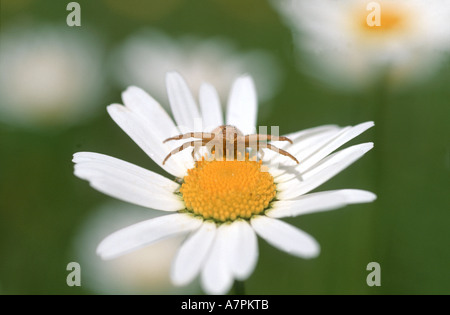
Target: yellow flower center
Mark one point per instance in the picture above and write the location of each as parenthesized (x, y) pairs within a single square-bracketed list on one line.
[(389, 20), (227, 190)]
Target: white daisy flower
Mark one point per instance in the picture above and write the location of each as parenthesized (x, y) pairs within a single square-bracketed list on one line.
[(221, 205), (354, 43), (145, 57), (50, 76)]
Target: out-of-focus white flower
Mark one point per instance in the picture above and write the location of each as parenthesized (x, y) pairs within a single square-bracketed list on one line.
[(49, 76), (146, 57), (337, 43), (143, 10), (146, 270)]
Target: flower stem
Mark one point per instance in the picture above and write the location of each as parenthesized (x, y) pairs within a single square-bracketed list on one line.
[(382, 219), (239, 287), (381, 116)]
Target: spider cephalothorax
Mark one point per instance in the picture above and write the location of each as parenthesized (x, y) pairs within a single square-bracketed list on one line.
[(229, 140)]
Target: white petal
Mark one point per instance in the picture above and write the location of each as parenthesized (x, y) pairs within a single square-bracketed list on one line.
[(210, 106), (301, 149), (301, 134), (343, 137), (322, 172), (317, 202), (301, 139), (242, 249), (128, 182), (145, 233), (216, 276), (182, 103), (162, 126), (192, 254), (286, 237), (348, 154), (242, 105), (139, 102), (144, 135)]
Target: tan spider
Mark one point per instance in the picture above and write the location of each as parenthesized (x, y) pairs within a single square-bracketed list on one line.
[(227, 139)]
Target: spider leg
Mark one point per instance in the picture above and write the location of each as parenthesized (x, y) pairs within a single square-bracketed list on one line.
[(201, 135), (278, 150), (257, 138), (182, 147)]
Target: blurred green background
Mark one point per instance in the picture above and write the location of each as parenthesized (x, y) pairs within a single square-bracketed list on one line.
[(43, 205)]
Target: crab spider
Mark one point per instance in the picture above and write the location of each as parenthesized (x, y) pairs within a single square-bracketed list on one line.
[(228, 138)]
